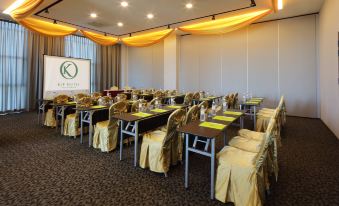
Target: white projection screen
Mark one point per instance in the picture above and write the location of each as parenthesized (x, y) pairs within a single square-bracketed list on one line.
[(64, 75)]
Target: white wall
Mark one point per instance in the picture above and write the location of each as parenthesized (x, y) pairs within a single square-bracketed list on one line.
[(144, 67), (328, 56), (267, 59)]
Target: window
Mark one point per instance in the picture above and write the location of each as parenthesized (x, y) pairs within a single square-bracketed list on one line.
[(13, 67), (81, 47)]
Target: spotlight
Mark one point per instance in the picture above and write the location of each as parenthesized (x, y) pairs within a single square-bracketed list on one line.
[(120, 24), (213, 17), (55, 21), (253, 4), (189, 5), (93, 15), (150, 16), (124, 4), (46, 11)]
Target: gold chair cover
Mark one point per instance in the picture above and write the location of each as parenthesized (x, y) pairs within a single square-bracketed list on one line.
[(105, 101), (77, 97), (241, 176), (188, 98), (196, 95), (96, 95), (159, 149), (106, 132), (135, 105), (71, 124), (50, 114), (120, 97)]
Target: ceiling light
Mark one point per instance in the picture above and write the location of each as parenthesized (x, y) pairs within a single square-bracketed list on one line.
[(280, 5), (150, 16), (189, 5), (120, 24), (13, 6), (93, 15), (124, 4)]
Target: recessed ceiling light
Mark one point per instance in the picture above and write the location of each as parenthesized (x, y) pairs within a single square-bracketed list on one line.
[(124, 3), (150, 16), (93, 15), (189, 5), (120, 24)]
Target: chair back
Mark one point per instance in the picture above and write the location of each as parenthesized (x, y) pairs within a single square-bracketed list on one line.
[(120, 97), (196, 95), (158, 94), (188, 98), (62, 98), (175, 120), (85, 102), (117, 108), (203, 103), (96, 95), (135, 91), (192, 114), (135, 105), (105, 101)]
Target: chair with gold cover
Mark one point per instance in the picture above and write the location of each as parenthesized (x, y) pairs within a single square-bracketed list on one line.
[(106, 132), (188, 98), (135, 105), (241, 176), (96, 95), (159, 149), (105, 101), (158, 94), (71, 125), (120, 97), (136, 91), (235, 101), (50, 114), (205, 104), (114, 88), (196, 95), (250, 141)]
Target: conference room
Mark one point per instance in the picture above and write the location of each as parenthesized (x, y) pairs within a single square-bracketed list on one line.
[(171, 102)]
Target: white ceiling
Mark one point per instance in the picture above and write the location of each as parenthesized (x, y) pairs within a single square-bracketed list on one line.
[(165, 11)]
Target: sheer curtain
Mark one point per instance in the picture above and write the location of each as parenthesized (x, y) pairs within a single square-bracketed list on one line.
[(13, 67), (81, 47)]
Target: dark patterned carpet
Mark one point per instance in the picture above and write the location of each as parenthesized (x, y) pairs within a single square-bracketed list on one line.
[(40, 167)]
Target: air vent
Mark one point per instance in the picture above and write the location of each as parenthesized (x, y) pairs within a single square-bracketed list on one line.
[(97, 24)]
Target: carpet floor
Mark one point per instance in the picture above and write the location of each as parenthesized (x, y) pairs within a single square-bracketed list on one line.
[(38, 166)]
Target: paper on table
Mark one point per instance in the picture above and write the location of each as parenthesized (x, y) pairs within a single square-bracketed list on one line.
[(98, 106), (223, 118), (212, 125), (174, 107), (252, 102), (159, 110), (71, 102), (233, 113), (142, 114)]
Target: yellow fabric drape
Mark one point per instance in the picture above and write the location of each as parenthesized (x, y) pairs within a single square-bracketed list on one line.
[(25, 9), (46, 28), (222, 26), (100, 39), (147, 39)]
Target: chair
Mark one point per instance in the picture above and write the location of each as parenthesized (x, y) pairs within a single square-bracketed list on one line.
[(106, 132), (188, 99), (241, 175), (120, 97), (71, 125), (159, 149), (196, 95), (96, 95), (50, 114), (105, 101), (135, 105)]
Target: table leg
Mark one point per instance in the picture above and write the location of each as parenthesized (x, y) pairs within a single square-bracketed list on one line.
[(62, 119), (81, 126), (136, 137), (90, 129), (225, 137), (39, 114), (56, 117), (242, 122), (121, 137), (255, 117), (186, 160), (212, 167)]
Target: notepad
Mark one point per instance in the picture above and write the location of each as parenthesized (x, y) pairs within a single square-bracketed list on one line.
[(233, 113), (142, 114), (212, 125), (252, 102), (159, 110), (255, 100), (258, 98), (205, 99), (210, 97), (174, 107), (98, 107), (223, 118), (71, 102)]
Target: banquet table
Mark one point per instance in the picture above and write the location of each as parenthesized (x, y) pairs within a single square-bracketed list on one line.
[(253, 105), (61, 110)]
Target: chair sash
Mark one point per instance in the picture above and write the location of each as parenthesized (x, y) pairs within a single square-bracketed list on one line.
[(188, 98)]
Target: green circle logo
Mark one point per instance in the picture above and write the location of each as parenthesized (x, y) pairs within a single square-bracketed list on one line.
[(68, 70)]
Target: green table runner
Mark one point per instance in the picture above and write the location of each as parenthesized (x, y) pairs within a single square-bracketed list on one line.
[(142, 114), (223, 118), (212, 125), (174, 107), (159, 110), (233, 113)]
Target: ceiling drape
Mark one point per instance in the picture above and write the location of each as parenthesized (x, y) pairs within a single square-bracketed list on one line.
[(225, 25), (47, 28), (100, 39), (25, 9), (147, 39)]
